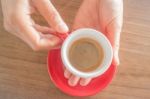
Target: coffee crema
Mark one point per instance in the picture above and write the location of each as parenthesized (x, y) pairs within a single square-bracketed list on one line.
[(86, 54)]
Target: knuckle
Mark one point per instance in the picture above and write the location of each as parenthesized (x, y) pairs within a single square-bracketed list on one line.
[(54, 16), (36, 47), (52, 44), (11, 21), (7, 26), (15, 18)]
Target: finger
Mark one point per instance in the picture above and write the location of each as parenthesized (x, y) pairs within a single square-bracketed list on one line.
[(41, 41), (113, 34), (47, 30), (30, 35), (51, 42), (84, 82), (67, 74), (32, 8), (73, 80), (43, 29), (115, 60), (113, 30), (48, 11), (80, 21)]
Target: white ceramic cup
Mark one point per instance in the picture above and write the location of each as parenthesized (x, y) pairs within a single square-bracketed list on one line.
[(92, 34)]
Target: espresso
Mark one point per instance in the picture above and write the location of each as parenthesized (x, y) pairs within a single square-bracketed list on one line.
[(86, 54)]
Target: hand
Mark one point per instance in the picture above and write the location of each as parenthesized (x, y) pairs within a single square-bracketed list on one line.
[(17, 20), (104, 16)]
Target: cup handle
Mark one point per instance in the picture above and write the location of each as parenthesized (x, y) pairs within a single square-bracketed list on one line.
[(61, 36)]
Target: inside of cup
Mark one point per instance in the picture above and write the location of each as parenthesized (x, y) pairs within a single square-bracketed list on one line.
[(98, 37)]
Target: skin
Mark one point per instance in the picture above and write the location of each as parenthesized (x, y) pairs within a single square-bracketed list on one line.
[(102, 15), (18, 21)]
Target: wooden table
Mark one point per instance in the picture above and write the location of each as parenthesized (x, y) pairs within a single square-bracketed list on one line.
[(23, 73)]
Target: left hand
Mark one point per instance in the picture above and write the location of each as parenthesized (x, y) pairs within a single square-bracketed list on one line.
[(104, 16), (18, 21)]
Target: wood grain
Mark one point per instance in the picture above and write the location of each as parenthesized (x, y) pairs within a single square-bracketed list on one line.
[(23, 73)]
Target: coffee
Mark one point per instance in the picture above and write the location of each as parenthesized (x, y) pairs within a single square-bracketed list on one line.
[(86, 54)]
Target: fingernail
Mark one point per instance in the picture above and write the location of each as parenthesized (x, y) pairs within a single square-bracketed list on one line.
[(66, 75), (71, 83), (115, 60), (62, 28), (82, 83)]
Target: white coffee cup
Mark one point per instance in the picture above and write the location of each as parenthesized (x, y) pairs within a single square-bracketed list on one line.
[(92, 34)]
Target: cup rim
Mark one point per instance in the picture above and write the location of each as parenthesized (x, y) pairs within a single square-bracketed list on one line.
[(71, 68)]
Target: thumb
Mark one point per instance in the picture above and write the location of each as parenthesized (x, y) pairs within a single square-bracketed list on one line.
[(49, 12), (115, 60), (114, 18), (113, 34)]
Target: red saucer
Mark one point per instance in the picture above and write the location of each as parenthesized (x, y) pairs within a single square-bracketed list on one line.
[(55, 69)]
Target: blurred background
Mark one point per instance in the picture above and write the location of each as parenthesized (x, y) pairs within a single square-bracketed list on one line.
[(23, 73)]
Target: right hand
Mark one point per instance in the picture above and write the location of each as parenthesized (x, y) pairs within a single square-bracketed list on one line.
[(17, 20), (104, 16)]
